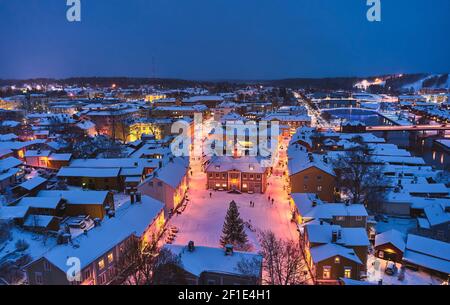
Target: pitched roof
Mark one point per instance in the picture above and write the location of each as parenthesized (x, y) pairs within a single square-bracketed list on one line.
[(393, 236), (326, 251)]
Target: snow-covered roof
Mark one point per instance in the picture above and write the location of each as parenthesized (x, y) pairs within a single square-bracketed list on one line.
[(172, 172), (246, 164), (41, 221), (203, 98), (33, 183), (9, 162), (37, 153), (60, 157), (76, 196), (436, 214), (393, 236), (109, 163), (304, 202), (88, 172), (130, 219), (13, 212), (300, 160), (326, 251), (327, 211), (211, 259), (349, 237), (428, 246), (43, 203), (427, 252)]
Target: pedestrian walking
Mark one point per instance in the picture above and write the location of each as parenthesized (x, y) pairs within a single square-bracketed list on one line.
[(272, 201), (210, 194)]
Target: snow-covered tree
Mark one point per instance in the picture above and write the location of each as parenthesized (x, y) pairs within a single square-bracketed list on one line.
[(233, 231)]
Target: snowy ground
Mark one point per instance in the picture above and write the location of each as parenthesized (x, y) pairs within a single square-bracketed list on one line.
[(203, 218), (376, 269)]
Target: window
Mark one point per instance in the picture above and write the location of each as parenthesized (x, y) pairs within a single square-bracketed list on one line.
[(110, 258), (38, 278), (150, 183), (102, 278), (348, 272), (244, 176), (258, 177), (211, 282), (326, 272), (337, 260), (319, 177), (217, 175), (340, 218), (101, 264), (306, 177), (159, 183), (319, 188), (87, 274), (47, 266), (358, 218), (305, 187)]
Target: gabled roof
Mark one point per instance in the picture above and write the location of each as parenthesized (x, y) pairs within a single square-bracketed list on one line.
[(76, 196), (321, 253), (33, 183), (172, 172), (394, 237)]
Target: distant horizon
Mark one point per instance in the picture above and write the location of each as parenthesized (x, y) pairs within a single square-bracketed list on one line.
[(227, 80)]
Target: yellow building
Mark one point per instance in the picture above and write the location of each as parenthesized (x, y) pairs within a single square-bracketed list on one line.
[(152, 97), (137, 129)]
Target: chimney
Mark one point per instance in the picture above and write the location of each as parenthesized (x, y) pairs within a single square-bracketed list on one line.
[(334, 236), (228, 250), (138, 197), (191, 246)]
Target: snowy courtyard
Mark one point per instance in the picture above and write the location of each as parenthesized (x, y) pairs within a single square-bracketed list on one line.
[(203, 218), (376, 272)]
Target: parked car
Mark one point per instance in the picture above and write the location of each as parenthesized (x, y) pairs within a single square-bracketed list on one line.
[(390, 268)]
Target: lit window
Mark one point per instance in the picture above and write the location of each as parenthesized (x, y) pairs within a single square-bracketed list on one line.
[(347, 272), (337, 260), (319, 188), (326, 272), (101, 264), (110, 257), (244, 185)]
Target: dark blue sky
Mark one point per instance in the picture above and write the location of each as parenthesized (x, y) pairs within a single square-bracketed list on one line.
[(223, 39)]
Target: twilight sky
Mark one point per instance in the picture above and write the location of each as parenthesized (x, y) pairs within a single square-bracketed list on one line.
[(223, 39)]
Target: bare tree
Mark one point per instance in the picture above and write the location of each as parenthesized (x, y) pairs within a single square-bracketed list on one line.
[(358, 176), (146, 265), (283, 262), (134, 266)]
